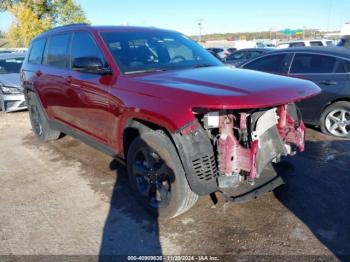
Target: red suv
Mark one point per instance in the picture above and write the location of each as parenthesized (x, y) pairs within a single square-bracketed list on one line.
[(185, 124)]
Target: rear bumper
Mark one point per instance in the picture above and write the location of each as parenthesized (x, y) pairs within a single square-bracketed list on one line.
[(11, 103)]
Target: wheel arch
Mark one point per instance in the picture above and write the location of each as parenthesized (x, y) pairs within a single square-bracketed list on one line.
[(134, 127), (330, 103), (187, 146)]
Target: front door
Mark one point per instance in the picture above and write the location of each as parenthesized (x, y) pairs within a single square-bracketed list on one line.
[(91, 113)]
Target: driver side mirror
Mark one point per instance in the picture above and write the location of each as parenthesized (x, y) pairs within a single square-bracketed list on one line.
[(93, 65)]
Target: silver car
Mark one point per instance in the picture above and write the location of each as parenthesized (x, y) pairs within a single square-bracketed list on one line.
[(11, 92)]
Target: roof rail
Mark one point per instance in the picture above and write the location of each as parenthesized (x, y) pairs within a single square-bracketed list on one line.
[(69, 25)]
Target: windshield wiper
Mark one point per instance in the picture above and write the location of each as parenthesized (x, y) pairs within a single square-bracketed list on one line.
[(145, 71)]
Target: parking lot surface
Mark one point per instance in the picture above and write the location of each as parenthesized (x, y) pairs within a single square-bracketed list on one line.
[(64, 197)]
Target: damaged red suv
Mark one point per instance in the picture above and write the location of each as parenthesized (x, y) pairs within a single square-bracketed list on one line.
[(184, 124)]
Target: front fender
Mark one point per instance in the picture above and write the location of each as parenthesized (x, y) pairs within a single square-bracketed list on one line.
[(197, 156)]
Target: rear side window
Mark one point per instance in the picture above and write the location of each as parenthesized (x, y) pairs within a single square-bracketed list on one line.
[(218, 50), (311, 63), (236, 56), (343, 66), (296, 44), (252, 54), (83, 45), (316, 43), (271, 63), (36, 52), (56, 54)]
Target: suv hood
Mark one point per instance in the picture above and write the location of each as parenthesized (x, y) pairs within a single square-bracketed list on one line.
[(226, 87)]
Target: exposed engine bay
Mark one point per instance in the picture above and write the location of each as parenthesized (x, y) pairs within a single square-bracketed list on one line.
[(246, 141)]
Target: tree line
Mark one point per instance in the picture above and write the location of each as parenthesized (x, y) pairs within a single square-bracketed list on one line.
[(32, 17)]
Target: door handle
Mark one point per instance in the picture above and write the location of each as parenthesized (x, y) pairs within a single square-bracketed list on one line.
[(38, 73), (69, 79), (328, 83)]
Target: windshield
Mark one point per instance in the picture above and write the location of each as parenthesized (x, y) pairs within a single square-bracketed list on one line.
[(150, 51), (11, 65)]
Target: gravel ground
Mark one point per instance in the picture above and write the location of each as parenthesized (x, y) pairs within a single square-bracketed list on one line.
[(64, 197)]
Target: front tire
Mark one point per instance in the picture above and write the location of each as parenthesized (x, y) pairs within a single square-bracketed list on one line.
[(157, 177), (38, 120), (335, 119)]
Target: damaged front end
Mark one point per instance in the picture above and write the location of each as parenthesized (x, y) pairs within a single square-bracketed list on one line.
[(243, 144)]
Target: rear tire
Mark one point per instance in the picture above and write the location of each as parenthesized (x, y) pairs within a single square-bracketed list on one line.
[(335, 119), (38, 120), (157, 176)]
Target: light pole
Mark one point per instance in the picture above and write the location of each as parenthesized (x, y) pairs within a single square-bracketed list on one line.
[(200, 24)]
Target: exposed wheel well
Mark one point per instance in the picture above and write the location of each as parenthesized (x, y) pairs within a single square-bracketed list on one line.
[(134, 128)]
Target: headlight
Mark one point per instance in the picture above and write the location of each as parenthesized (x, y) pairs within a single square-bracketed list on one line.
[(10, 90)]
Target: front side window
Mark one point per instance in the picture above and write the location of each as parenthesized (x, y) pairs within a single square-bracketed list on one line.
[(271, 63), (36, 51), (11, 65), (312, 63), (56, 54), (158, 50), (83, 45)]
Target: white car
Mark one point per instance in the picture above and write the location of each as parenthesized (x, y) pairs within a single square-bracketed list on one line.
[(302, 43), (11, 92)]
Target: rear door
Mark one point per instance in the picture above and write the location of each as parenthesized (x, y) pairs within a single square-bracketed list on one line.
[(320, 69), (54, 87)]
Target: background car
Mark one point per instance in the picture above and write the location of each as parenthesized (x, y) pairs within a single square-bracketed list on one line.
[(222, 52), (11, 92), (329, 68), (344, 42), (243, 55), (301, 43), (215, 54)]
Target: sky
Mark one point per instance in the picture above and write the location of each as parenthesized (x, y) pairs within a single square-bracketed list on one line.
[(218, 16)]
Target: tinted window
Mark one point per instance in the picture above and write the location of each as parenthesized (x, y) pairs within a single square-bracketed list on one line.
[(343, 66), (37, 50), (11, 65), (309, 63), (236, 56), (155, 50), (83, 45), (271, 63), (57, 50), (316, 43), (296, 44), (218, 50), (252, 54)]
